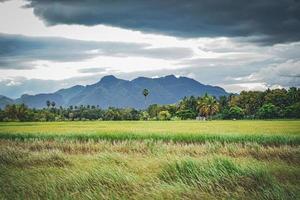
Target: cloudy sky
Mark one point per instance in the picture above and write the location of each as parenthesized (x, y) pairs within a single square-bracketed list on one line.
[(239, 45)]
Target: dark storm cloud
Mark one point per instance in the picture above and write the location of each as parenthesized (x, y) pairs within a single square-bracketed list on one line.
[(266, 21), (17, 52)]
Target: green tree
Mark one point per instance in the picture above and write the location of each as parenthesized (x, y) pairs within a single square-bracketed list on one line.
[(2, 115), (233, 100), (112, 114), (11, 112), (268, 111), (71, 116), (250, 101), (223, 101), (135, 114), (277, 97), (189, 103), (153, 110), (208, 106), (293, 95), (145, 115), (22, 112), (236, 113), (186, 114), (292, 111), (164, 115)]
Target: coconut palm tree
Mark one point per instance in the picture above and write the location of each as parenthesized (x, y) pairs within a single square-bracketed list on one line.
[(145, 93), (208, 106)]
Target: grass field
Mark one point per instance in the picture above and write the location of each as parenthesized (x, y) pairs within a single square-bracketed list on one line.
[(150, 160)]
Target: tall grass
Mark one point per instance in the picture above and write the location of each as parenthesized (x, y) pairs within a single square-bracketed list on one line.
[(155, 160), (222, 175), (22, 159), (31, 174)]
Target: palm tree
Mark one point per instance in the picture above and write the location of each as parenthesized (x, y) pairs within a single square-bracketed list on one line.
[(48, 103), (208, 106), (145, 93), (53, 104)]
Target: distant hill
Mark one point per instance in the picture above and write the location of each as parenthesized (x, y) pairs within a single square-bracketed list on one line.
[(4, 101), (111, 91)]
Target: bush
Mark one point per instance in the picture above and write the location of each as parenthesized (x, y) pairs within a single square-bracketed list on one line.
[(292, 111), (164, 115), (268, 111), (186, 114), (234, 112), (145, 116), (175, 118)]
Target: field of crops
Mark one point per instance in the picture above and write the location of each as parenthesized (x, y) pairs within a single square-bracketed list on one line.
[(150, 160)]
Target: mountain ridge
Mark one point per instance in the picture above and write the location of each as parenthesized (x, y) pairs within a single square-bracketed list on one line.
[(116, 92)]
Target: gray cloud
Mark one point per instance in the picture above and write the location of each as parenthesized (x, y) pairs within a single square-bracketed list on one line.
[(17, 52), (92, 70), (263, 21), (16, 86), (165, 53), (284, 74)]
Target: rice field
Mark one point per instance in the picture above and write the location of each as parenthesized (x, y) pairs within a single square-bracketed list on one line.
[(150, 160)]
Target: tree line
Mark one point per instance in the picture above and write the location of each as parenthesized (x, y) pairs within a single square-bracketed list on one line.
[(269, 104)]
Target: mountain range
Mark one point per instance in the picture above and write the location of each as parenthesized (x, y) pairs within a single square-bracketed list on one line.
[(115, 92)]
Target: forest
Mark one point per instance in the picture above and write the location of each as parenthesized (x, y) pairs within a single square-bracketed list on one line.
[(269, 104)]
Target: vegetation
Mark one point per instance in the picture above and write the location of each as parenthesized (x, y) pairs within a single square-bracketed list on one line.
[(261, 132), (149, 155), (271, 104), (150, 160), (208, 106)]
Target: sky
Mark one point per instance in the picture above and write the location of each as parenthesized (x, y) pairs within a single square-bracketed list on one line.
[(46, 45)]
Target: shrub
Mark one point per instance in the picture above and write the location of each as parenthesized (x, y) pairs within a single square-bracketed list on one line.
[(268, 111), (292, 111), (186, 114), (145, 116), (234, 112), (164, 115)]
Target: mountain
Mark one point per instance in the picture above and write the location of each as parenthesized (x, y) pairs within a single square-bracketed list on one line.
[(69, 93), (111, 91), (4, 101), (39, 100)]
